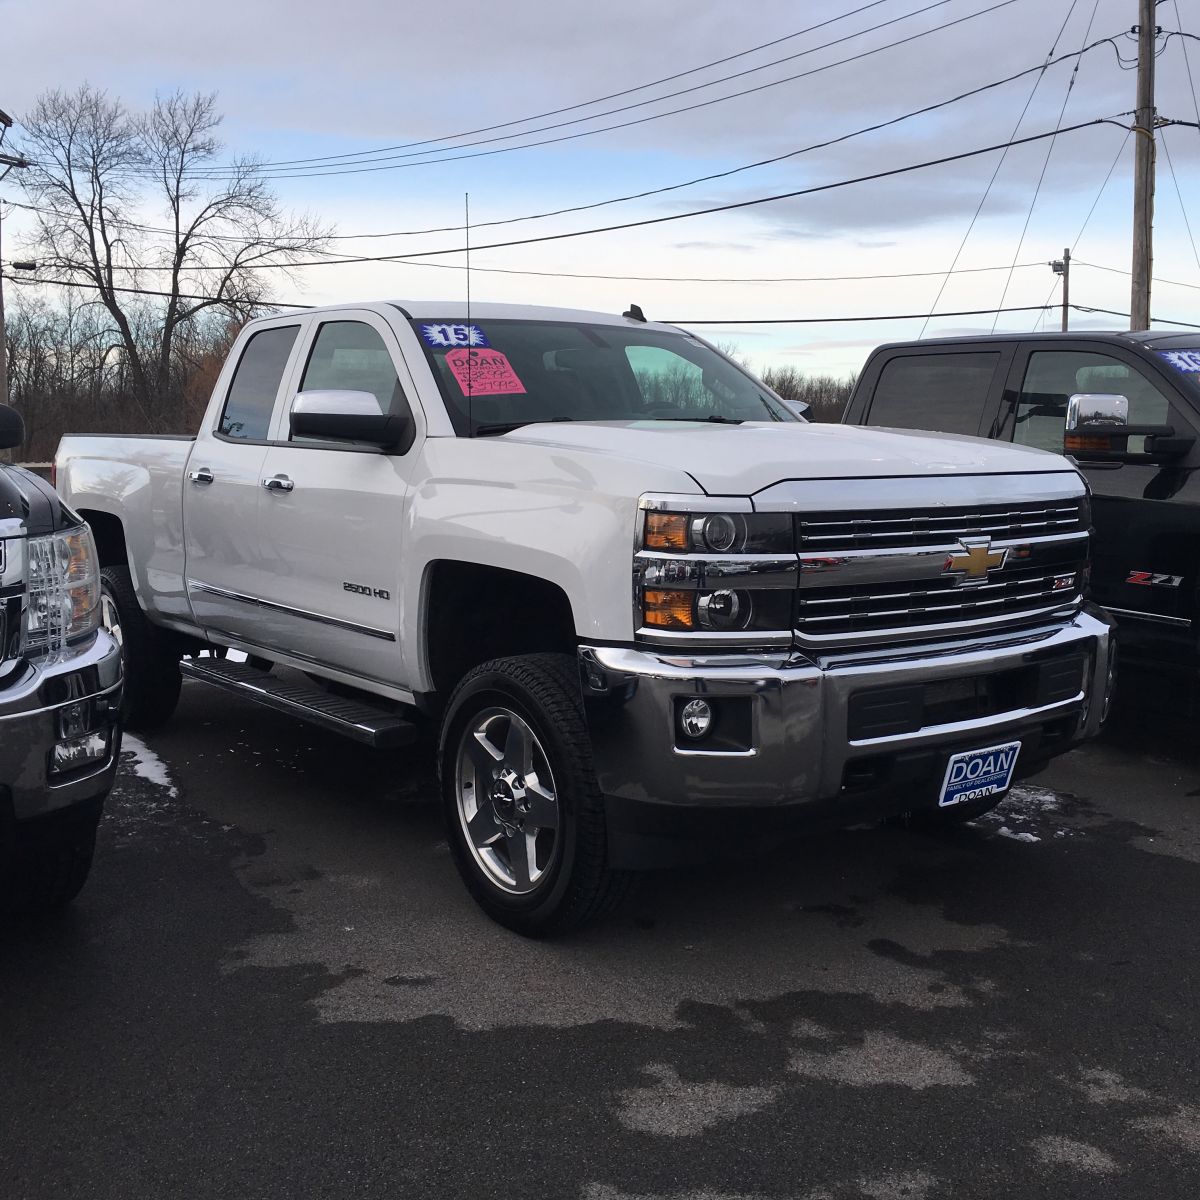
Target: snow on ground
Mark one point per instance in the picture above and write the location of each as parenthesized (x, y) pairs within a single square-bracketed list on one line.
[(146, 764)]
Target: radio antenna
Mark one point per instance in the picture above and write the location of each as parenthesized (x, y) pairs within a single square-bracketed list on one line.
[(470, 339)]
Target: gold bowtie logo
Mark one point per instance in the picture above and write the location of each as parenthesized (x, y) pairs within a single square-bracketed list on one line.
[(974, 561)]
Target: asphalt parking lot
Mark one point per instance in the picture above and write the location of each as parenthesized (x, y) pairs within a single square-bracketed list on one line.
[(274, 985)]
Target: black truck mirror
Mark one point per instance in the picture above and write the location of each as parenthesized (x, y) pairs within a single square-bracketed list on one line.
[(12, 428)]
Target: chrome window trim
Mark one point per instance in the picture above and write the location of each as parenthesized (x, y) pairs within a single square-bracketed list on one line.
[(307, 614)]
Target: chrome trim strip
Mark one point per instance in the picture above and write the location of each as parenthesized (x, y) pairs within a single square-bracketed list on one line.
[(868, 637), (744, 640), (667, 502), (689, 572), (898, 493), (1152, 618), (1010, 716), (383, 634)]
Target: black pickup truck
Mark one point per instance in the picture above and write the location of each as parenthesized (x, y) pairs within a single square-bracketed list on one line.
[(1125, 406), (60, 692)]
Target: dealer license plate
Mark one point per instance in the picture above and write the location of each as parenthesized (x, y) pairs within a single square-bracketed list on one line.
[(974, 774)]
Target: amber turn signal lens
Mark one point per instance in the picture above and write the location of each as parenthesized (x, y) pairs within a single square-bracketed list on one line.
[(666, 531), (670, 610), (1077, 441)]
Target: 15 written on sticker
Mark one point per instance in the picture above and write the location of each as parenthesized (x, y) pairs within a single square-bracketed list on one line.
[(484, 373)]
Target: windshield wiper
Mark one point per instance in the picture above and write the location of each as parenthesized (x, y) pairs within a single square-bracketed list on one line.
[(712, 420), (508, 426)]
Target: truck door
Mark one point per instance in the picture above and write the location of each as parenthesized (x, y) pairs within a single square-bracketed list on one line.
[(333, 521), (1147, 546), (222, 485)]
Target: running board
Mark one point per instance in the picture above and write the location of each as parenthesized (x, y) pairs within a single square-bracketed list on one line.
[(352, 718)]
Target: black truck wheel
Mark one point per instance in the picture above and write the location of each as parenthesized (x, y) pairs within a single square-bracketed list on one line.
[(151, 662), (524, 815), (48, 862)]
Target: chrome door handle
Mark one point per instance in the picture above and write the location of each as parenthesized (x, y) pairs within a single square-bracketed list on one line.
[(278, 483), (201, 475)]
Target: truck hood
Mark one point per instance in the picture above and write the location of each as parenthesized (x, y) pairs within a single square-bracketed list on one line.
[(739, 460)]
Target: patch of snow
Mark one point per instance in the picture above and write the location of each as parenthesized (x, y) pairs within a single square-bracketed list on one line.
[(1017, 836), (146, 764)]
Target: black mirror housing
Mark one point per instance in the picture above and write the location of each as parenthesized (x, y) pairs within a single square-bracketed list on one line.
[(12, 428)]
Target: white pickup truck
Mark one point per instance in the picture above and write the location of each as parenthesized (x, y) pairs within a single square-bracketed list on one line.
[(645, 604)]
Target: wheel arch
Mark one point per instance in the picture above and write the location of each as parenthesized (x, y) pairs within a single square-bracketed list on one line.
[(473, 612)]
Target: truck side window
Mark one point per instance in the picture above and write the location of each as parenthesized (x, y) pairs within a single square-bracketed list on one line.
[(351, 356), (943, 392), (1053, 376), (251, 398)]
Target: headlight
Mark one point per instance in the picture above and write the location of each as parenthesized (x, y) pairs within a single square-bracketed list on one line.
[(64, 591), (729, 577)]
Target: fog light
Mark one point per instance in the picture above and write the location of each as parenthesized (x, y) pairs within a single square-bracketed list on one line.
[(696, 718), (79, 752), (74, 720)]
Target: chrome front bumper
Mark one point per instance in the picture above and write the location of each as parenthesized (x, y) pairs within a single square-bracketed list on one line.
[(33, 697), (796, 747)]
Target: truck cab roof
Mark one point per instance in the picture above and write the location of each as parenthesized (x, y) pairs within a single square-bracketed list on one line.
[(1155, 338)]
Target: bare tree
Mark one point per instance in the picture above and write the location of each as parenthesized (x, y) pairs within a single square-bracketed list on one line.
[(97, 167)]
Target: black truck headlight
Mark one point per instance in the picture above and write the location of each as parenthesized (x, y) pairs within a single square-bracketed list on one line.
[(64, 591)]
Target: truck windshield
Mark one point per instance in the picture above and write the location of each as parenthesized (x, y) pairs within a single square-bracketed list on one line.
[(499, 375)]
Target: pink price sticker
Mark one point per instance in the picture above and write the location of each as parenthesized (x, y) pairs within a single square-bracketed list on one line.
[(484, 373)]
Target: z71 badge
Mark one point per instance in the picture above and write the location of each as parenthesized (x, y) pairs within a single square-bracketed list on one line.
[(1153, 579)]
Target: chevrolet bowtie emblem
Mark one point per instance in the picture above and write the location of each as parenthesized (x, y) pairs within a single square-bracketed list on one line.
[(974, 561)]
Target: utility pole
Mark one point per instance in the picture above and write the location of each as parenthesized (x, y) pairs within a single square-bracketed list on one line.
[(1063, 267), (1143, 170), (8, 161)]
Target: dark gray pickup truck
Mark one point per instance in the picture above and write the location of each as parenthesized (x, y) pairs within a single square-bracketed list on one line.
[(60, 692)]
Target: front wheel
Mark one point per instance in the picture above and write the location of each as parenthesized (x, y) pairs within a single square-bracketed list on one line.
[(151, 664), (524, 815), (49, 863)]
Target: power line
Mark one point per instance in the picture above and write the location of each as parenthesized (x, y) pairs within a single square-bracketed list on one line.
[(1187, 62), (219, 173), (1182, 208), (1037, 191), (972, 312), (9, 278), (1041, 67), (1112, 312), (699, 212), (1078, 262), (554, 112), (995, 174)]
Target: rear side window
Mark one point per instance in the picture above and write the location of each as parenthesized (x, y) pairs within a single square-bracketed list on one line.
[(251, 399), (943, 392)]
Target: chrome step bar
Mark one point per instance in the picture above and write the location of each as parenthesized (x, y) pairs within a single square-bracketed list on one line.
[(352, 718)]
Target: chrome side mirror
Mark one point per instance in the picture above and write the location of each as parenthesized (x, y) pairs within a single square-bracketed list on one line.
[(1096, 410)]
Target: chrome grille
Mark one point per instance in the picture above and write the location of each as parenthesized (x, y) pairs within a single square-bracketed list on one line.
[(838, 612), (935, 526)]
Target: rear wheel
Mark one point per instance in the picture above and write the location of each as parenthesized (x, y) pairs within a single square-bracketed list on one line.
[(151, 662), (524, 815)]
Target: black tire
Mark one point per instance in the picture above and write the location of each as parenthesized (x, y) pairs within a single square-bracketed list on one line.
[(49, 863), (933, 819), (150, 656), (578, 886)]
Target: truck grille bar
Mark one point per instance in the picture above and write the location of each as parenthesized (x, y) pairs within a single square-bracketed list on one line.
[(927, 527), (827, 612)]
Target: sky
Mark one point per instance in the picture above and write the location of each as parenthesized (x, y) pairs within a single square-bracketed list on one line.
[(300, 80)]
